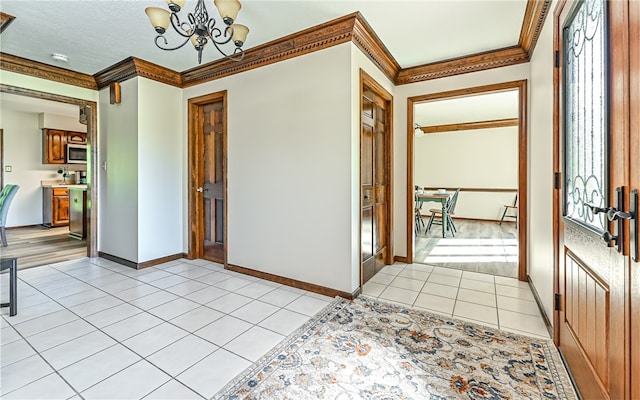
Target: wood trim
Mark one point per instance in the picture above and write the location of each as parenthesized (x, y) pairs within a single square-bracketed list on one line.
[(134, 265), (370, 44), (161, 260), (462, 65), (401, 259), (482, 190), (556, 166), (196, 172), (467, 126), (5, 21), (311, 287), (92, 137), (23, 66), (534, 16), (543, 313), (319, 37), (135, 67), (522, 161)]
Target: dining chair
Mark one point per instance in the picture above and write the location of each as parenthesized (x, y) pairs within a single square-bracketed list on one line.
[(508, 208), (418, 213), (6, 195), (436, 214)]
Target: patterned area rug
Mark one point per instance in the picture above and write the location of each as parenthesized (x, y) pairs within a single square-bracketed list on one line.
[(367, 349)]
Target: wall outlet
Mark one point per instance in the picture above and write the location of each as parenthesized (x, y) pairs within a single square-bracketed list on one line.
[(7, 168)]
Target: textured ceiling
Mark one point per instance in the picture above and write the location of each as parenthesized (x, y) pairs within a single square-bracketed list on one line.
[(96, 34)]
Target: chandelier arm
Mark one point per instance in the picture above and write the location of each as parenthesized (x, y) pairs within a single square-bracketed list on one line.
[(182, 28), (237, 55), (166, 43), (215, 33)]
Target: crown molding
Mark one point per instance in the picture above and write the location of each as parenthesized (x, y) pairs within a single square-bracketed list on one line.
[(478, 62), (334, 32), (135, 67), (23, 66), (534, 16), (352, 27), (370, 44), (5, 20)]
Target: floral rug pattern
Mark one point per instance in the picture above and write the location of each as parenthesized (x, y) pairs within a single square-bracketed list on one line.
[(368, 349)]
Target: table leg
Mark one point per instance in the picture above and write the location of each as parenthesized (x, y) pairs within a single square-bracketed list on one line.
[(444, 218), (13, 289)]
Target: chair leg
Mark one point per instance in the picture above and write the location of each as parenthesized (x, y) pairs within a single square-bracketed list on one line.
[(454, 230), (4, 236), (429, 223), (503, 215)]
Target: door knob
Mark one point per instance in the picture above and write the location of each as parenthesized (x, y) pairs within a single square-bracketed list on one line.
[(200, 189), (608, 237)]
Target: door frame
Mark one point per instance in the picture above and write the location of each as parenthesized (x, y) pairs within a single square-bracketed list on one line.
[(366, 79), (523, 165), (196, 173), (92, 147)]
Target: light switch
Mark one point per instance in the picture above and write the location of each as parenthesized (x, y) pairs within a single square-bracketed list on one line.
[(7, 168)]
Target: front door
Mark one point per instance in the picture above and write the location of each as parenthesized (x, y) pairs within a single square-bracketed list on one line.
[(207, 154), (594, 136), (375, 175)]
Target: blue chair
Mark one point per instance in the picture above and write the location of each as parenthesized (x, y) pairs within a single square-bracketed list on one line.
[(436, 214), (7, 194)]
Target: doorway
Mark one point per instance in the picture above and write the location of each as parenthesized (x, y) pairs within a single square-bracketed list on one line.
[(208, 177), (520, 88), (91, 216)]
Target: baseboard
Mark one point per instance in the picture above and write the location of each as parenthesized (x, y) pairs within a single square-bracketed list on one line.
[(545, 317), (401, 259), (311, 287), (142, 265)]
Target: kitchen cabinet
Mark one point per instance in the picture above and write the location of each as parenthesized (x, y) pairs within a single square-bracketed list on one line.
[(54, 144), (55, 206)]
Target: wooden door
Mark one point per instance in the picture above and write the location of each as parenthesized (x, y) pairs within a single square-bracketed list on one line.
[(207, 154), (592, 87), (375, 165), (213, 182), (634, 176)]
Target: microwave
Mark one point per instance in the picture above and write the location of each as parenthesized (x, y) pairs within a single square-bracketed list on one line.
[(76, 154)]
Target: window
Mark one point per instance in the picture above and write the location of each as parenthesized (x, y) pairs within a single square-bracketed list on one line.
[(585, 107)]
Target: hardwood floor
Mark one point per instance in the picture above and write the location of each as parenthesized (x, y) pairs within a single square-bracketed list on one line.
[(36, 245), (479, 246)]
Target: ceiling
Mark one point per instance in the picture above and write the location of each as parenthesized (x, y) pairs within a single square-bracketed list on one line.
[(96, 34)]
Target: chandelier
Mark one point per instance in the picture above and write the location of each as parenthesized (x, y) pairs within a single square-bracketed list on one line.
[(199, 29)]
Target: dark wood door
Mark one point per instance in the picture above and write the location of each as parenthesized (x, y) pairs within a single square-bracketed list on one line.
[(593, 274), (375, 142), (207, 170), (213, 181)]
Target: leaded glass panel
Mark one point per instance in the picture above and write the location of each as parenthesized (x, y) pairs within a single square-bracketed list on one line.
[(585, 113)]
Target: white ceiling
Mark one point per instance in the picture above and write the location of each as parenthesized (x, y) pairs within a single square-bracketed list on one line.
[(96, 34)]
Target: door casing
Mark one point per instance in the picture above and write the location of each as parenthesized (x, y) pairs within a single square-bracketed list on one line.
[(521, 85), (92, 163)]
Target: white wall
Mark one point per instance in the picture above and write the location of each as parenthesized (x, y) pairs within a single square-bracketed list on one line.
[(541, 167), (289, 156), (53, 121), (160, 166), (479, 158), (403, 92), (118, 183), (23, 152)]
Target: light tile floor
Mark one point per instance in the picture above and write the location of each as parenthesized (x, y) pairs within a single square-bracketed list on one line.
[(496, 301), (92, 328)]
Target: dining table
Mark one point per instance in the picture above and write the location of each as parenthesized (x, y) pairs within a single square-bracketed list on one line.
[(438, 197)]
